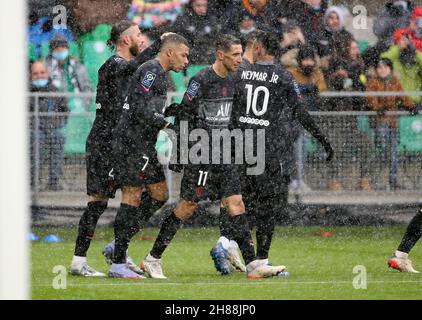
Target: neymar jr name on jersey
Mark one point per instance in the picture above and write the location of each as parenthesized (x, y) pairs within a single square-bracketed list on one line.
[(259, 76)]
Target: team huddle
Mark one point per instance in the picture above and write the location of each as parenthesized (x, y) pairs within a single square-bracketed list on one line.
[(243, 91)]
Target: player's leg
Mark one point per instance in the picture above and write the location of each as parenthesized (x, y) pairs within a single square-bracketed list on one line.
[(100, 188), (255, 268), (193, 189), (400, 260), (86, 228), (269, 207), (152, 262), (133, 175), (125, 225)]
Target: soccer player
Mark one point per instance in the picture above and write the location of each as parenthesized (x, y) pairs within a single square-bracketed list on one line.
[(207, 106), (400, 260), (113, 80), (266, 97), (137, 168)]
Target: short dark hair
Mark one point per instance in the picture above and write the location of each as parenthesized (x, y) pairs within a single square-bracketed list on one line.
[(117, 30), (387, 62), (269, 42), (225, 41), (252, 37), (174, 38)]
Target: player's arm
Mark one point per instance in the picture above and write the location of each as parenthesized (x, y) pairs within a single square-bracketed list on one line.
[(305, 119), (129, 67), (143, 95), (187, 109)]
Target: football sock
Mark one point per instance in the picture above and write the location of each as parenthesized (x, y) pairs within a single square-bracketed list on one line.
[(413, 233), (145, 211), (125, 226), (242, 235), (224, 223), (265, 223), (168, 230), (87, 225)]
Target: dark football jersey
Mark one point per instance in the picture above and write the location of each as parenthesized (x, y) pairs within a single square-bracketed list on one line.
[(208, 100), (143, 110), (266, 96), (113, 82)]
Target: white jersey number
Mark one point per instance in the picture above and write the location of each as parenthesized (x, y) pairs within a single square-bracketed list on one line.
[(252, 97)]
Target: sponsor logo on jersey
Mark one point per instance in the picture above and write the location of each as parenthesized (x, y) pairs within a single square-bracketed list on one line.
[(192, 90), (98, 106), (259, 122), (224, 110), (148, 80)]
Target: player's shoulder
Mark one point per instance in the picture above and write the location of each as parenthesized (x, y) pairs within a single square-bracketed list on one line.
[(111, 63), (282, 71), (152, 65), (203, 75)]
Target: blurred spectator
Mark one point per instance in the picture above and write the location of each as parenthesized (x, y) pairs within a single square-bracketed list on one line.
[(40, 33), (346, 73), (50, 138), (386, 133), (154, 15), (66, 73), (244, 17), (200, 28), (309, 14), (407, 63), (395, 15), (292, 38), (311, 82), (334, 22), (309, 78), (415, 28)]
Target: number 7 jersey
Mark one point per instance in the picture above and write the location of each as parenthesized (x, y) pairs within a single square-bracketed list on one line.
[(265, 98)]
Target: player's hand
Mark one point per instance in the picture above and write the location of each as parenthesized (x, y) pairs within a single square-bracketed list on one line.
[(172, 110), (329, 150)]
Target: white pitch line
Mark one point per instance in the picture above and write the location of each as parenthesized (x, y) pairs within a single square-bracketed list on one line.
[(258, 282)]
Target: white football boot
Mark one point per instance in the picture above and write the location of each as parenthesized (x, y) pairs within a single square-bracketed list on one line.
[(260, 269), (152, 267)]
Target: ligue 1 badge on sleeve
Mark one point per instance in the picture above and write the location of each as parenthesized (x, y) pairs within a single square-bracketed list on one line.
[(193, 90), (148, 80)]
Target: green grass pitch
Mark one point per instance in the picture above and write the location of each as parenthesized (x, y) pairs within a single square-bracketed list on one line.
[(320, 267)]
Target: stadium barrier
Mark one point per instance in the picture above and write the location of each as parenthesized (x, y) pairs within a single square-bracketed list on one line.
[(367, 158)]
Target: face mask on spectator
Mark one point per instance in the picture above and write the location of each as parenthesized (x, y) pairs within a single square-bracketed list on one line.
[(40, 83), (307, 70), (60, 55)]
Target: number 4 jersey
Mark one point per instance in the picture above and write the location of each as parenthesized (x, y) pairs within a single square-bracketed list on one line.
[(265, 98)]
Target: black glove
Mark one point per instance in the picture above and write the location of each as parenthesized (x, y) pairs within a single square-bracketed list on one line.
[(172, 110), (328, 149)]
